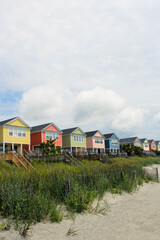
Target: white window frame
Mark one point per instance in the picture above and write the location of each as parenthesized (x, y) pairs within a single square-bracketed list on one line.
[(78, 138), (16, 132), (50, 135), (98, 140), (114, 142)]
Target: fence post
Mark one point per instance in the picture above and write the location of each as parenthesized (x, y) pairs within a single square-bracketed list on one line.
[(68, 186), (134, 175), (157, 175)]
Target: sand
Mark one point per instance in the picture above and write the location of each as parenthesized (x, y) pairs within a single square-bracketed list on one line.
[(133, 216)]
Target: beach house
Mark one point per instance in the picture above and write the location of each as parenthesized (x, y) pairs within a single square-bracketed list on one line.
[(145, 144), (14, 135), (157, 145), (135, 141), (95, 142), (111, 143), (42, 133), (74, 140), (152, 145)]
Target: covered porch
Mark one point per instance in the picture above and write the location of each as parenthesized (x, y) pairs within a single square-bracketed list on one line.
[(13, 147)]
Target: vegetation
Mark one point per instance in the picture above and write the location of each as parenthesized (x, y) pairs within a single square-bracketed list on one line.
[(131, 150), (48, 147), (30, 196)]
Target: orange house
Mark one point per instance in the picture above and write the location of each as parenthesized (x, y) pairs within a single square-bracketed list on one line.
[(152, 145), (44, 132)]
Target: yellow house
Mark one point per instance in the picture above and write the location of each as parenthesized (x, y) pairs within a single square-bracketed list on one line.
[(145, 144), (14, 135), (158, 145)]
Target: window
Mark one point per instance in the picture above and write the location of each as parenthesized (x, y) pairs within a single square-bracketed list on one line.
[(51, 136), (114, 142), (98, 140), (137, 144), (153, 145), (78, 138), (146, 145), (17, 132)]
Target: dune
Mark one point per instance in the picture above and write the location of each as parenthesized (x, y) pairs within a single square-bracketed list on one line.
[(133, 216)]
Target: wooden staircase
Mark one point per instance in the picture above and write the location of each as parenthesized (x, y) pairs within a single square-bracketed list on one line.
[(73, 161), (18, 159)]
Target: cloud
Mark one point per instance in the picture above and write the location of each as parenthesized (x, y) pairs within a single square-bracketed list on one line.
[(45, 103), (129, 118), (98, 104), (157, 116)]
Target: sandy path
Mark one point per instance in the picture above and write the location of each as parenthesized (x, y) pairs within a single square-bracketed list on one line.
[(131, 217)]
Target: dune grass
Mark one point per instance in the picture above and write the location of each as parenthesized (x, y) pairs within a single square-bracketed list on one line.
[(31, 196)]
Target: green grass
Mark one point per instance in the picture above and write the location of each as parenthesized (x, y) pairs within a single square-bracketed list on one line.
[(31, 196)]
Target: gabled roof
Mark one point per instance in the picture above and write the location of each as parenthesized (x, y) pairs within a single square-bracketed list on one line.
[(92, 133), (42, 127), (69, 130), (150, 141), (143, 139), (128, 140), (39, 127), (5, 122), (157, 142), (109, 135)]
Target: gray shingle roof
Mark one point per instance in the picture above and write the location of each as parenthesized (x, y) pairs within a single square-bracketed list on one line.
[(150, 141), (156, 142), (108, 135), (91, 133), (6, 121), (127, 140), (68, 130), (39, 127), (143, 139)]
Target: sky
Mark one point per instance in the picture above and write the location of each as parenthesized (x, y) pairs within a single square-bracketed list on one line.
[(94, 64)]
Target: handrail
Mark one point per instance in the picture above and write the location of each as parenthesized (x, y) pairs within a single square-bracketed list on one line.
[(25, 160), (74, 160), (18, 160)]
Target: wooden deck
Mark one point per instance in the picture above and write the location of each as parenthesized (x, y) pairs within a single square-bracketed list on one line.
[(18, 159)]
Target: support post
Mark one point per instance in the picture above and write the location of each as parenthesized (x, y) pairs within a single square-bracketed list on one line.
[(12, 147), (3, 147), (157, 175), (21, 148)]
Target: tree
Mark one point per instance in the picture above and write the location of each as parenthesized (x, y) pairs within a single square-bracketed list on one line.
[(48, 147)]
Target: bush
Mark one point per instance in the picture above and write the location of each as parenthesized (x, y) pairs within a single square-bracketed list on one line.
[(79, 201)]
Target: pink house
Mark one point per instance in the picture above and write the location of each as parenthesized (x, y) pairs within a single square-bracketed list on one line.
[(95, 142)]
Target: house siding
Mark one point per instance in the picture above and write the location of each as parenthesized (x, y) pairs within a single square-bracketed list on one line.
[(78, 144), (12, 139), (35, 139), (65, 141), (158, 146), (1, 134), (98, 145), (17, 123), (56, 142), (89, 143), (145, 148)]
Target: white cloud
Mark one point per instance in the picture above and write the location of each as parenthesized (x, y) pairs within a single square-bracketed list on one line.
[(80, 44), (157, 116), (129, 118), (45, 103), (98, 104)]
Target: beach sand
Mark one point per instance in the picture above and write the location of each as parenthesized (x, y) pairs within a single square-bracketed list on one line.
[(133, 216)]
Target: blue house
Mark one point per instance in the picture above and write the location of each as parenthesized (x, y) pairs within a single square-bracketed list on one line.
[(111, 143)]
